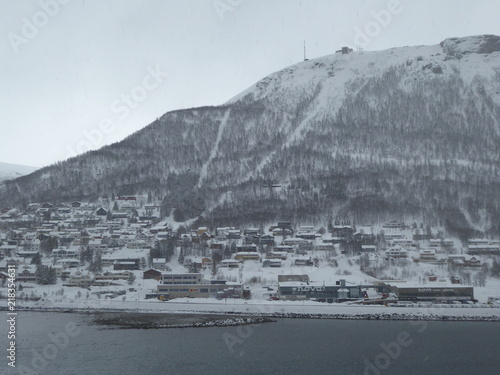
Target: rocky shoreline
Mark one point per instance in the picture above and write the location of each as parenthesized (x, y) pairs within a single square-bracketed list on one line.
[(390, 316)]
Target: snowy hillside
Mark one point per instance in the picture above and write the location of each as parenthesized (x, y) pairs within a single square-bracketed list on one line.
[(340, 75), (12, 171), (406, 132)]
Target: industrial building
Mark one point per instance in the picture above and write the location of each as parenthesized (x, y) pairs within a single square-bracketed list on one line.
[(436, 294), (294, 290)]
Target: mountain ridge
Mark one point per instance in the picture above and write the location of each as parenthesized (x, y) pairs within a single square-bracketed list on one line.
[(409, 131)]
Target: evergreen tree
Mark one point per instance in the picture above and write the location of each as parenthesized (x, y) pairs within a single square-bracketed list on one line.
[(216, 259), (170, 249), (131, 279), (88, 254), (234, 248), (49, 244), (37, 259), (181, 256), (227, 252), (52, 277), (179, 215), (98, 261), (194, 268), (40, 274), (92, 267), (45, 275)]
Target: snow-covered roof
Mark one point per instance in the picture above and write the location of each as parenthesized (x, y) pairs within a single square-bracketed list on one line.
[(159, 260), (229, 261)]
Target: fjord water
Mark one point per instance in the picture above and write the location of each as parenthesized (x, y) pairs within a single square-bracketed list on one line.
[(288, 346)]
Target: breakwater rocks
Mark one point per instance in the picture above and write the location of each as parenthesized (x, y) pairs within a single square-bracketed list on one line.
[(389, 316), (125, 320)]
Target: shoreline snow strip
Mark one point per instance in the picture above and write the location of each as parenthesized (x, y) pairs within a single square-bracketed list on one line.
[(246, 318)]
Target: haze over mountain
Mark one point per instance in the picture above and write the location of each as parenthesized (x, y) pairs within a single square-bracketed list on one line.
[(410, 133), (11, 171)]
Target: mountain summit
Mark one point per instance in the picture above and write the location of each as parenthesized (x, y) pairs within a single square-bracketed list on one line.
[(483, 44), (410, 132)]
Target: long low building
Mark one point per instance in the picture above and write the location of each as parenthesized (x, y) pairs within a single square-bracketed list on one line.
[(483, 250), (232, 290), (247, 255), (178, 285), (433, 293), (320, 292)]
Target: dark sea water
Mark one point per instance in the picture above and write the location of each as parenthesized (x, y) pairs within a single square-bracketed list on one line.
[(66, 344)]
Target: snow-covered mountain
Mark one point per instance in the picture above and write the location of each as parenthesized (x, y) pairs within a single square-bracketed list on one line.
[(411, 132), (12, 171)]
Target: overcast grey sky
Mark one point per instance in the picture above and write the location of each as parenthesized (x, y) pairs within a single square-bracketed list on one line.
[(79, 74)]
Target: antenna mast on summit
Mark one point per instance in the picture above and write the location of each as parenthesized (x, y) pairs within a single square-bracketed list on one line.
[(305, 58)]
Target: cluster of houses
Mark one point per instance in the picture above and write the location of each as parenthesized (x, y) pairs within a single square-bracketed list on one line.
[(124, 231), (61, 232)]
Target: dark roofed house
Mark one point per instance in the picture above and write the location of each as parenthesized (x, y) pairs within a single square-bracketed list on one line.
[(343, 231), (151, 274), (267, 240), (119, 265), (101, 212), (119, 215), (27, 274)]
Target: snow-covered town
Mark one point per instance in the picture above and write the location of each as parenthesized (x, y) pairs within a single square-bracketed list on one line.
[(225, 187), (122, 253)]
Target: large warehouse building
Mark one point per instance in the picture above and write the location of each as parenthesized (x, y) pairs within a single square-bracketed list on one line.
[(294, 290), (432, 293)]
